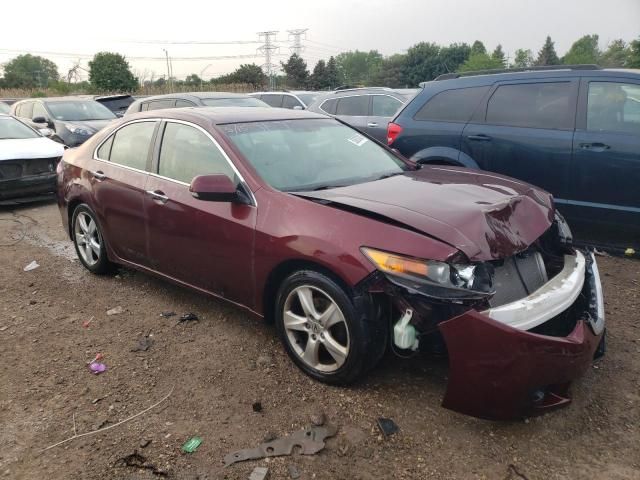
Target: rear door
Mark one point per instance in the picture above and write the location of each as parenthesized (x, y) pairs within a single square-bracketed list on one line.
[(118, 174), (606, 152), (201, 243), (383, 109), (354, 110), (525, 131)]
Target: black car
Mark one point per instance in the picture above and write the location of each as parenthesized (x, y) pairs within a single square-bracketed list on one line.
[(574, 131), (72, 119), (194, 99)]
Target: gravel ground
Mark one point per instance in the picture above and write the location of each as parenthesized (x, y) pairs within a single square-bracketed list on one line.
[(53, 321)]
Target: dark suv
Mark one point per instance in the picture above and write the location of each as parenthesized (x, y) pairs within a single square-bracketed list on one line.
[(574, 131)]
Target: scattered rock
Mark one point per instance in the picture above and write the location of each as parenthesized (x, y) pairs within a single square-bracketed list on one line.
[(257, 407), (264, 361), (318, 419), (115, 311), (269, 436), (145, 443), (387, 426), (293, 472), (32, 266), (259, 473), (168, 314), (32, 302), (144, 344)]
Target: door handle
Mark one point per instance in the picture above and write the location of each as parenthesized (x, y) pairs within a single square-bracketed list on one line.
[(98, 175), (158, 195), (595, 147), (372, 124), (479, 138)]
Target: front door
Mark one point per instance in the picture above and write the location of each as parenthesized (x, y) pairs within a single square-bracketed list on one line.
[(202, 243)]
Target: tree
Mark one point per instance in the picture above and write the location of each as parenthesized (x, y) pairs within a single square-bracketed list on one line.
[(318, 80), (110, 72), (583, 50), (249, 73), (616, 54), (29, 71), (333, 78), (498, 55), (547, 54), (390, 73), (296, 71), (358, 67), (478, 48), (481, 61), (193, 79), (633, 60), (453, 56), (523, 58)]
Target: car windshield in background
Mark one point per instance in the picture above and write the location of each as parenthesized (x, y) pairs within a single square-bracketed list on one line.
[(311, 154), (78, 110), (234, 102), (4, 108), (307, 98), (10, 128)]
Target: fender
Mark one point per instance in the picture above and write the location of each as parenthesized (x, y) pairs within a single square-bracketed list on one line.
[(448, 154)]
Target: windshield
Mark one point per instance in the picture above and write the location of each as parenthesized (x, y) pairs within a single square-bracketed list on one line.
[(4, 108), (311, 154), (10, 128), (79, 110), (234, 102), (307, 98)]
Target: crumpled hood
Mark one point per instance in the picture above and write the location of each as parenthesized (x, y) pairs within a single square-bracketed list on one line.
[(27, 148), (485, 215)]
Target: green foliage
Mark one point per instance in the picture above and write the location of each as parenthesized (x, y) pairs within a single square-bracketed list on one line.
[(523, 58), (583, 50), (249, 73), (29, 71), (390, 73), (357, 68), (109, 72), (318, 80), (478, 48), (38, 94), (498, 55), (633, 60), (332, 74), (616, 54), (193, 79), (296, 71), (425, 61), (547, 54), (481, 61)]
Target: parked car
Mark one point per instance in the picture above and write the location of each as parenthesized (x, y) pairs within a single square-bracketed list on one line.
[(293, 99), (27, 162), (72, 119), (118, 104), (4, 108), (301, 219), (574, 131), (195, 99), (367, 109)]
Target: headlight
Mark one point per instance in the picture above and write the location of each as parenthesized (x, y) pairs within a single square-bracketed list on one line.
[(77, 130), (476, 278)]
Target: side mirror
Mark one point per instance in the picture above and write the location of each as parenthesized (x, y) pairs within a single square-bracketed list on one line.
[(46, 132), (298, 107), (39, 120), (217, 188)]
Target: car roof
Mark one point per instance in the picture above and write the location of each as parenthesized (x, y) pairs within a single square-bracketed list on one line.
[(222, 115), (76, 98), (199, 95)]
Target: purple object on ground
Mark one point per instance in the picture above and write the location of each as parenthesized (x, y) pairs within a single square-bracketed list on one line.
[(97, 368)]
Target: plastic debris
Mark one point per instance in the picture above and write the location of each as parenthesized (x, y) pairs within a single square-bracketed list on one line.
[(629, 252), (188, 317), (32, 266), (387, 426), (97, 367), (167, 314), (191, 445), (115, 311), (144, 344), (86, 323), (259, 473)]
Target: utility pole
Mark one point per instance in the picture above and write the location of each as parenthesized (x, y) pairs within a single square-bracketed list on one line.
[(168, 70), (202, 75), (297, 46), (268, 49)]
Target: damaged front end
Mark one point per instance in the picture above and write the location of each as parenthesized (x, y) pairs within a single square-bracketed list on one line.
[(516, 331)]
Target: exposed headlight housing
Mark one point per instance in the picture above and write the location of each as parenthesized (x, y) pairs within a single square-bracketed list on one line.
[(78, 130)]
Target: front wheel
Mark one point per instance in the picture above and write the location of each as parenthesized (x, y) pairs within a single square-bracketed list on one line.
[(88, 240), (322, 330)]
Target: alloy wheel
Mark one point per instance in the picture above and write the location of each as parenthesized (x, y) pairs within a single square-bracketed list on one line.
[(88, 239)]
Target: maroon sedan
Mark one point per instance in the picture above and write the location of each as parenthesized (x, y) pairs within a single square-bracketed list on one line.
[(349, 248)]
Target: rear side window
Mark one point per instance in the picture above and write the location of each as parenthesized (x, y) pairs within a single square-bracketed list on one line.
[(329, 106), (613, 107), (289, 102), (353, 106), (452, 105), (105, 149), (184, 103), (533, 105), (272, 100), (384, 106), (131, 145), (158, 104)]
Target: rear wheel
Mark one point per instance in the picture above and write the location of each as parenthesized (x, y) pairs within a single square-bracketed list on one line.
[(323, 332), (88, 240)]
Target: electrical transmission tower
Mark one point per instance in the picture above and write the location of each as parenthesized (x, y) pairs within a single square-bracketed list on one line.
[(297, 34), (268, 49)]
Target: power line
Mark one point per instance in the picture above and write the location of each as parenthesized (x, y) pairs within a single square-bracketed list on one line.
[(188, 42), (268, 49)]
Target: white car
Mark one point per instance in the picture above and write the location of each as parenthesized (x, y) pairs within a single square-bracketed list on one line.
[(28, 162)]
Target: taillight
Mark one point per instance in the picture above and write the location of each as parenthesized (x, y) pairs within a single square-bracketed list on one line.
[(393, 130)]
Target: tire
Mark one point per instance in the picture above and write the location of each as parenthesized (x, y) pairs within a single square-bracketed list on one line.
[(333, 344), (89, 241)]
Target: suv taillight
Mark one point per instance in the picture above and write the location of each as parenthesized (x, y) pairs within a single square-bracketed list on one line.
[(393, 130)]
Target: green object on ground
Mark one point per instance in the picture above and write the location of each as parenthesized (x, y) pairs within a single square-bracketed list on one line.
[(191, 445)]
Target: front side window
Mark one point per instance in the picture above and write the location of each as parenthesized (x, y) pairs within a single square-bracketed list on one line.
[(533, 105), (329, 106), (184, 103), (384, 106), (39, 111), (159, 104), (131, 145), (25, 110), (290, 102), (452, 105), (613, 107), (272, 100), (187, 152), (357, 106), (311, 154), (79, 110)]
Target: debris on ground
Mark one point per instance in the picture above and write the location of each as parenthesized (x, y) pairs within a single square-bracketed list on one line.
[(167, 314), (32, 266), (308, 441), (259, 473), (264, 361), (145, 443), (387, 426), (318, 419), (257, 407), (600, 253), (144, 344), (629, 252), (191, 445), (86, 323), (97, 367), (294, 473), (135, 460), (115, 311), (188, 317), (512, 469)]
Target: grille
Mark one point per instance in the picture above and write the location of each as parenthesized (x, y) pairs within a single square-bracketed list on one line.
[(12, 169)]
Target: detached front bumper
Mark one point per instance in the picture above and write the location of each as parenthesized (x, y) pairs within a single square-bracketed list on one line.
[(32, 187), (499, 371)]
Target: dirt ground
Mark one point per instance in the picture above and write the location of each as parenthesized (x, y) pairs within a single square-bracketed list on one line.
[(217, 367)]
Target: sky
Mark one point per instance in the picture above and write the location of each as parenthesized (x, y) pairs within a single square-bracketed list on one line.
[(67, 33)]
